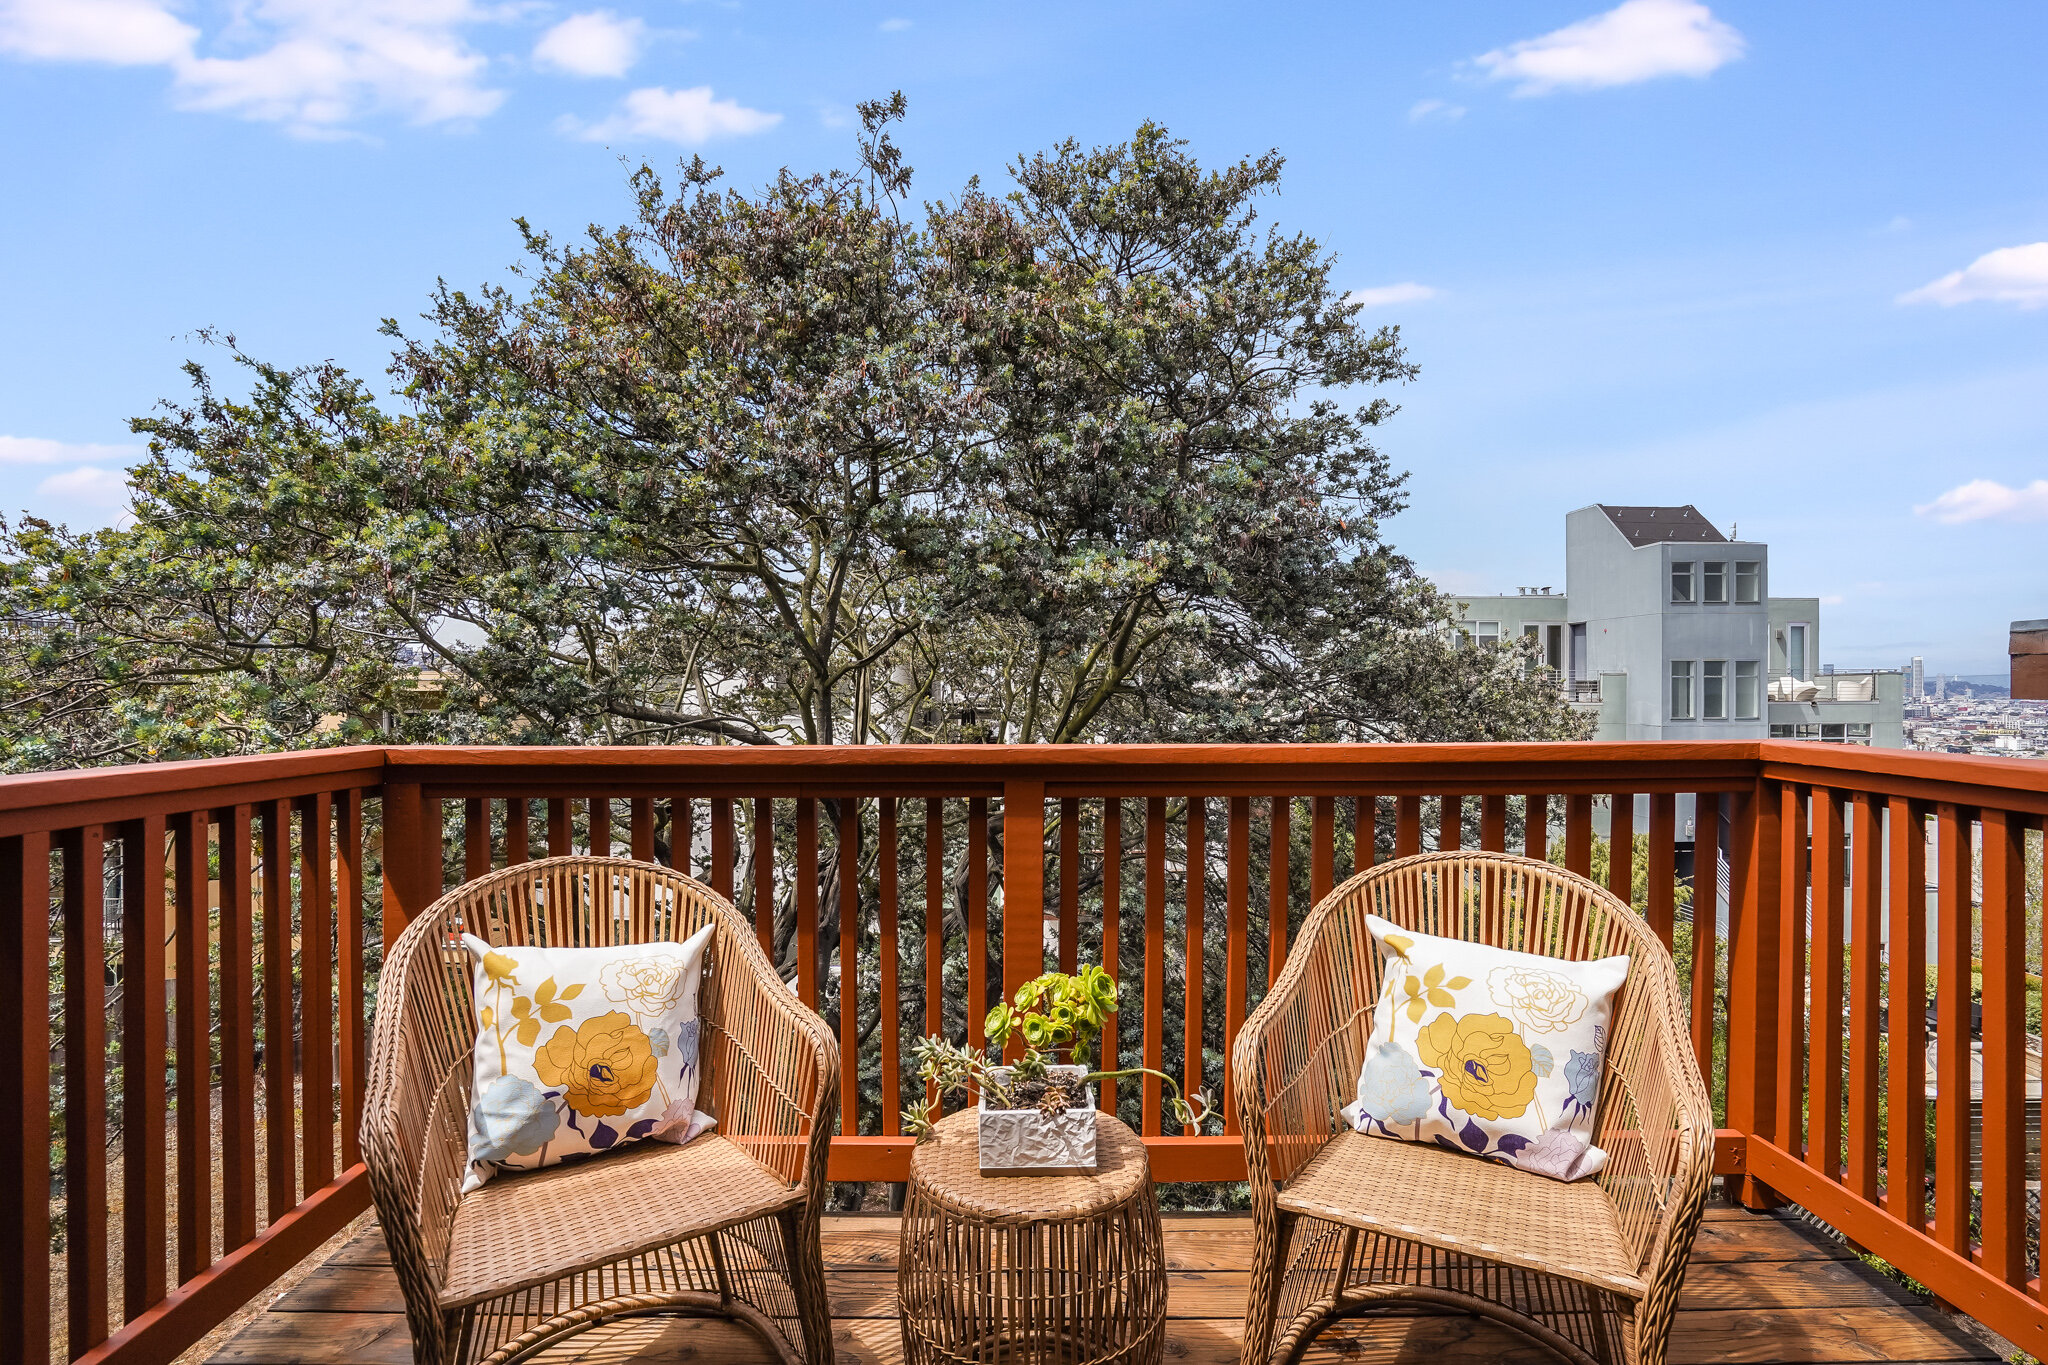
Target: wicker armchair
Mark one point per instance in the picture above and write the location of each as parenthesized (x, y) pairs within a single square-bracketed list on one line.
[(726, 1226), (1349, 1223)]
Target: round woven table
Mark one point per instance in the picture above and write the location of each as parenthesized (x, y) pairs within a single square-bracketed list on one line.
[(1032, 1269)]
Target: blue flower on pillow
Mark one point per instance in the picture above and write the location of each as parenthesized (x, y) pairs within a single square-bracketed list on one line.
[(511, 1118), (1393, 1088), (1582, 1072)]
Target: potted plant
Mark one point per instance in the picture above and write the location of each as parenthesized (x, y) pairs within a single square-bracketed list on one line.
[(1037, 1115)]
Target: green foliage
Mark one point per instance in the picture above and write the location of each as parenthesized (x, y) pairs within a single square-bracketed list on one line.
[(1082, 461), (1056, 1011)]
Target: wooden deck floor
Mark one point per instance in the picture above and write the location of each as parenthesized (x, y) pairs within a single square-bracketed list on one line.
[(1760, 1289)]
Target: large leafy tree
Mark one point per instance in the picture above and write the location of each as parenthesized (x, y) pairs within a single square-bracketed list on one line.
[(798, 465)]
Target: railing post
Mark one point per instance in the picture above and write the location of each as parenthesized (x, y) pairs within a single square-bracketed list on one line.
[(412, 857), (1753, 946), (1023, 886), (25, 1079)]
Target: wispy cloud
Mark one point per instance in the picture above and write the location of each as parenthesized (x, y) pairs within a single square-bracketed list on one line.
[(1989, 500), (104, 489), (2013, 274), (41, 450), (687, 116), (1435, 111), (1408, 291), (599, 43), (315, 66), (1639, 40), (893, 25)]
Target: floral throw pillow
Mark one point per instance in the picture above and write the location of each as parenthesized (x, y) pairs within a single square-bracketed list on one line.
[(1487, 1051), (581, 1049)]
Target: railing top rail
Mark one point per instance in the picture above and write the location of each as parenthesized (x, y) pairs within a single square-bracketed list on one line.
[(1964, 779), (84, 796)]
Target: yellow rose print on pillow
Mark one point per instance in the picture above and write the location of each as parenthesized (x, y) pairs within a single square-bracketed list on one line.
[(605, 1066), (1485, 1066)]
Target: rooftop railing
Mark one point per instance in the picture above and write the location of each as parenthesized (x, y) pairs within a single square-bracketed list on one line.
[(187, 1072)]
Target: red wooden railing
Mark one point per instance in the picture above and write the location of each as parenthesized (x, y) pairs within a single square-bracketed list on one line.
[(1014, 841)]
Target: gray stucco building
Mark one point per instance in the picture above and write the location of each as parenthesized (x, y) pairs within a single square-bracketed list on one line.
[(1667, 629)]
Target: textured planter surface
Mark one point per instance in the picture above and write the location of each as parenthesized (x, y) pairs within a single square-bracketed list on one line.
[(1026, 1142)]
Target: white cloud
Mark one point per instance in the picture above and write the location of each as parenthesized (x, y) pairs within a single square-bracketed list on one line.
[(1989, 500), (40, 450), (1639, 40), (313, 65), (1441, 111), (689, 116), (2013, 274), (1407, 291), (893, 25), (599, 43), (101, 488)]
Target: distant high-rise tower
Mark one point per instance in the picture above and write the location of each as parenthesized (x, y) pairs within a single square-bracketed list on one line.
[(1918, 682), (1941, 687)]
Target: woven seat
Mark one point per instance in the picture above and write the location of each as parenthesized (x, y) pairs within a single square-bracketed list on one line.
[(726, 1226), (1466, 1203), (1348, 1224), (635, 1200)]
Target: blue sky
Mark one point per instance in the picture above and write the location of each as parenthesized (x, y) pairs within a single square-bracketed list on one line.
[(1786, 262)]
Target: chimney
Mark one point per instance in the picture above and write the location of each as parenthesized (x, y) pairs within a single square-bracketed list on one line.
[(2029, 653)]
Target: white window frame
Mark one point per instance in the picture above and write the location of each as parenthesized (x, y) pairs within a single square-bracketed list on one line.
[(1714, 582), (1681, 696), (1713, 681), (1682, 571), (1754, 579), (1803, 670), (1748, 689)]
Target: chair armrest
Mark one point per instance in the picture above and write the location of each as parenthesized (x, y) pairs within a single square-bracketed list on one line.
[(774, 1069)]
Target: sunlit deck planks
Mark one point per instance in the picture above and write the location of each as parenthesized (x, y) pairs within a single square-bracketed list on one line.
[(1760, 1289)]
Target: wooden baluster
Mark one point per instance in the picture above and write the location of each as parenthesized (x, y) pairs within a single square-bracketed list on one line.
[(1407, 826), (934, 925), (806, 898), (476, 838), (1578, 833), (1953, 950), (237, 1032), (143, 1174), (641, 827), (1322, 848), (412, 855), (518, 831), (1279, 887), (1906, 1012), (764, 871), (2004, 1211), (192, 834), (280, 1157), (601, 826), (1824, 1148), (85, 1085), (351, 1072), (1866, 949), (846, 834), (1450, 824), (25, 1071), (682, 835), (1237, 891), (1155, 957), (1755, 866), (316, 991), (1365, 833), (1112, 907), (1706, 925), (1070, 884), (724, 842), (1660, 902), (1023, 890), (1621, 847), (1536, 827), (561, 832), (977, 921), (1790, 1104), (1493, 823), (1194, 957), (890, 991)]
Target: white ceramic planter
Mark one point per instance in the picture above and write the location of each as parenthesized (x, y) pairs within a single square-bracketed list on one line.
[(1026, 1142)]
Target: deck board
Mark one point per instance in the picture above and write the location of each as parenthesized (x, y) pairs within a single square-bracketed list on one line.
[(1760, 1289)]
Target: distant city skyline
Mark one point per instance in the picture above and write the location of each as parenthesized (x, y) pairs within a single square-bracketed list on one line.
[(1781, 262)]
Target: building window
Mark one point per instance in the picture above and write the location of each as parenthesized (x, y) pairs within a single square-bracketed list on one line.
[(1681, 689), (1681, 580), (1795, 650), (1748, 580), (1478, 632), (1781, 732), (1832, 734), (1746, 677), (1859, 730), (1714, 581), (1714, 689)]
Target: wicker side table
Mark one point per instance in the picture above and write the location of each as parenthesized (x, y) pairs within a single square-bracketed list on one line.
[(1046, 1269)]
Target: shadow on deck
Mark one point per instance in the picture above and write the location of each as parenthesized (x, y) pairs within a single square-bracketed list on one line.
[(1760, 1289)]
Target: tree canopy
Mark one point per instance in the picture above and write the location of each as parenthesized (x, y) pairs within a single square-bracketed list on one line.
[(1089, 459)]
